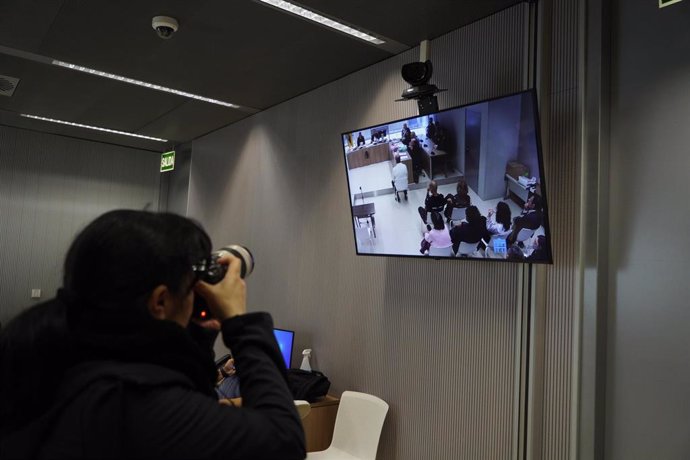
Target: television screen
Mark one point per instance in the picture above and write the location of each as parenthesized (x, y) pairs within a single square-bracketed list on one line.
[(463, 183), (285, 340)]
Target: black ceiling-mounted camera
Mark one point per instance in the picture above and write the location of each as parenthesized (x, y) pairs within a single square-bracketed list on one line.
[(418, 75)]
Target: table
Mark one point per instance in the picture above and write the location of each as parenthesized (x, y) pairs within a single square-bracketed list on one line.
[(367, 155), (319, 424), (434, 155), (522, 191), (365, 211)]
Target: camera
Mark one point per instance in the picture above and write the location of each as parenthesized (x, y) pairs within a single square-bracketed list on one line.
[(165, 26), (212, 272), (418, 74)]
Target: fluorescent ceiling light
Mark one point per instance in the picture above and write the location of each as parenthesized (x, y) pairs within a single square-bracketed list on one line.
[(96, 128), (132, 81), (316, 17)]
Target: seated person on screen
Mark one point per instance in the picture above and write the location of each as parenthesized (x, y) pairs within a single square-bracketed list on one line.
[(539, 249), (360, 140), (399, 178), (405, 135), (500, 222), (431, 130), (434, 201), (531, 217), (515, 253), (440, 137), (471, 231), (417, 154), (438, 236), (460, 200)]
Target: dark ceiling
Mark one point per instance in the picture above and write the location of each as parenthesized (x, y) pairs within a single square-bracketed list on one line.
[(239, 51)]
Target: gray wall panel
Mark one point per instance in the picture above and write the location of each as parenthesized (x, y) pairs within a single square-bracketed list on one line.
[(437, 340), (50, 187), (562, 171), (648, 377)]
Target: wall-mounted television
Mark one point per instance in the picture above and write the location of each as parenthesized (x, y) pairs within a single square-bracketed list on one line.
[(466, 183)]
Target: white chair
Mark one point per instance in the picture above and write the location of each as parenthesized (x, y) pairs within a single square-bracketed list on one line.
[(357, 429), (457, 215), (303, 408), (524, 235), (489, 251), (467, 249), (441, 252), (363, 234)]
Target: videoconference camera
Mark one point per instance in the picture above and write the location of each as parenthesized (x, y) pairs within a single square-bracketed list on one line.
[(418, 75), (165, 26)]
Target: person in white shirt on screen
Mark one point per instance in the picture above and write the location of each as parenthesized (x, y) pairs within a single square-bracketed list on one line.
[(399, 178), (500, 221)]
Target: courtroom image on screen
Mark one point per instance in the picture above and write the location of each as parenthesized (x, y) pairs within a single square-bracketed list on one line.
[(461, 183)]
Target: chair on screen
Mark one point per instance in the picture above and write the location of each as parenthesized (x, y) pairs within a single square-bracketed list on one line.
[(497, 246), (457, 215), (467, 249), (441, 252), (358, 426), (364, 235), (524, 235)]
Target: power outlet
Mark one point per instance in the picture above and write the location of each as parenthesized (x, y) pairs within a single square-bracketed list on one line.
[(35, 293)]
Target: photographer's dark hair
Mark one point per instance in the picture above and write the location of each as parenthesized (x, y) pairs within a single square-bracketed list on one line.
[(122, 255)]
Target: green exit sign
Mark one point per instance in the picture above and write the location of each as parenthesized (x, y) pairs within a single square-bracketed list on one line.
[(167, 161), (663, 3)]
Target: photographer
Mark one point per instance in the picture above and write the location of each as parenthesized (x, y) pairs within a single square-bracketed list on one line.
[(120, 375)]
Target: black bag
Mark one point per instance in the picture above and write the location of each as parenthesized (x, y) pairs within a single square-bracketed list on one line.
[(307, 385)]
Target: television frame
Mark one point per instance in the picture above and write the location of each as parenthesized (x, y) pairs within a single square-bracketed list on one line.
[(542, 183)]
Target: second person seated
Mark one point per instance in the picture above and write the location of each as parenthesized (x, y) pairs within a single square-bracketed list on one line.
[(438, 236), (471, 231), (434, 201)]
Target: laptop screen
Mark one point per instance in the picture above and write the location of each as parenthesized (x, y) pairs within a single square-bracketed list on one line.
[(285, 340)]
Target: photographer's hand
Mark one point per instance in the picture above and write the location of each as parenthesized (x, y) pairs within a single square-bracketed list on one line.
[(229, 297)]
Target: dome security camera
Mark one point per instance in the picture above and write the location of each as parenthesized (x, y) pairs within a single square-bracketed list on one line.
[(165, 26)]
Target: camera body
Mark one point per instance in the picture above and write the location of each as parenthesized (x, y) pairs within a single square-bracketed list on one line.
[(212, 272)]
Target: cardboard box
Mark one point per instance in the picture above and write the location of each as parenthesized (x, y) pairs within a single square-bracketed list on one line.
[(515, 169)]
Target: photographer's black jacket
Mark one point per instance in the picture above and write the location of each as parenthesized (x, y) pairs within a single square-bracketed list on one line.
[(117, 409)]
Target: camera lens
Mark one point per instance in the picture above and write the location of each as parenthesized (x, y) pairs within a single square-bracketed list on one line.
[(242, 253), (215, 272)]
